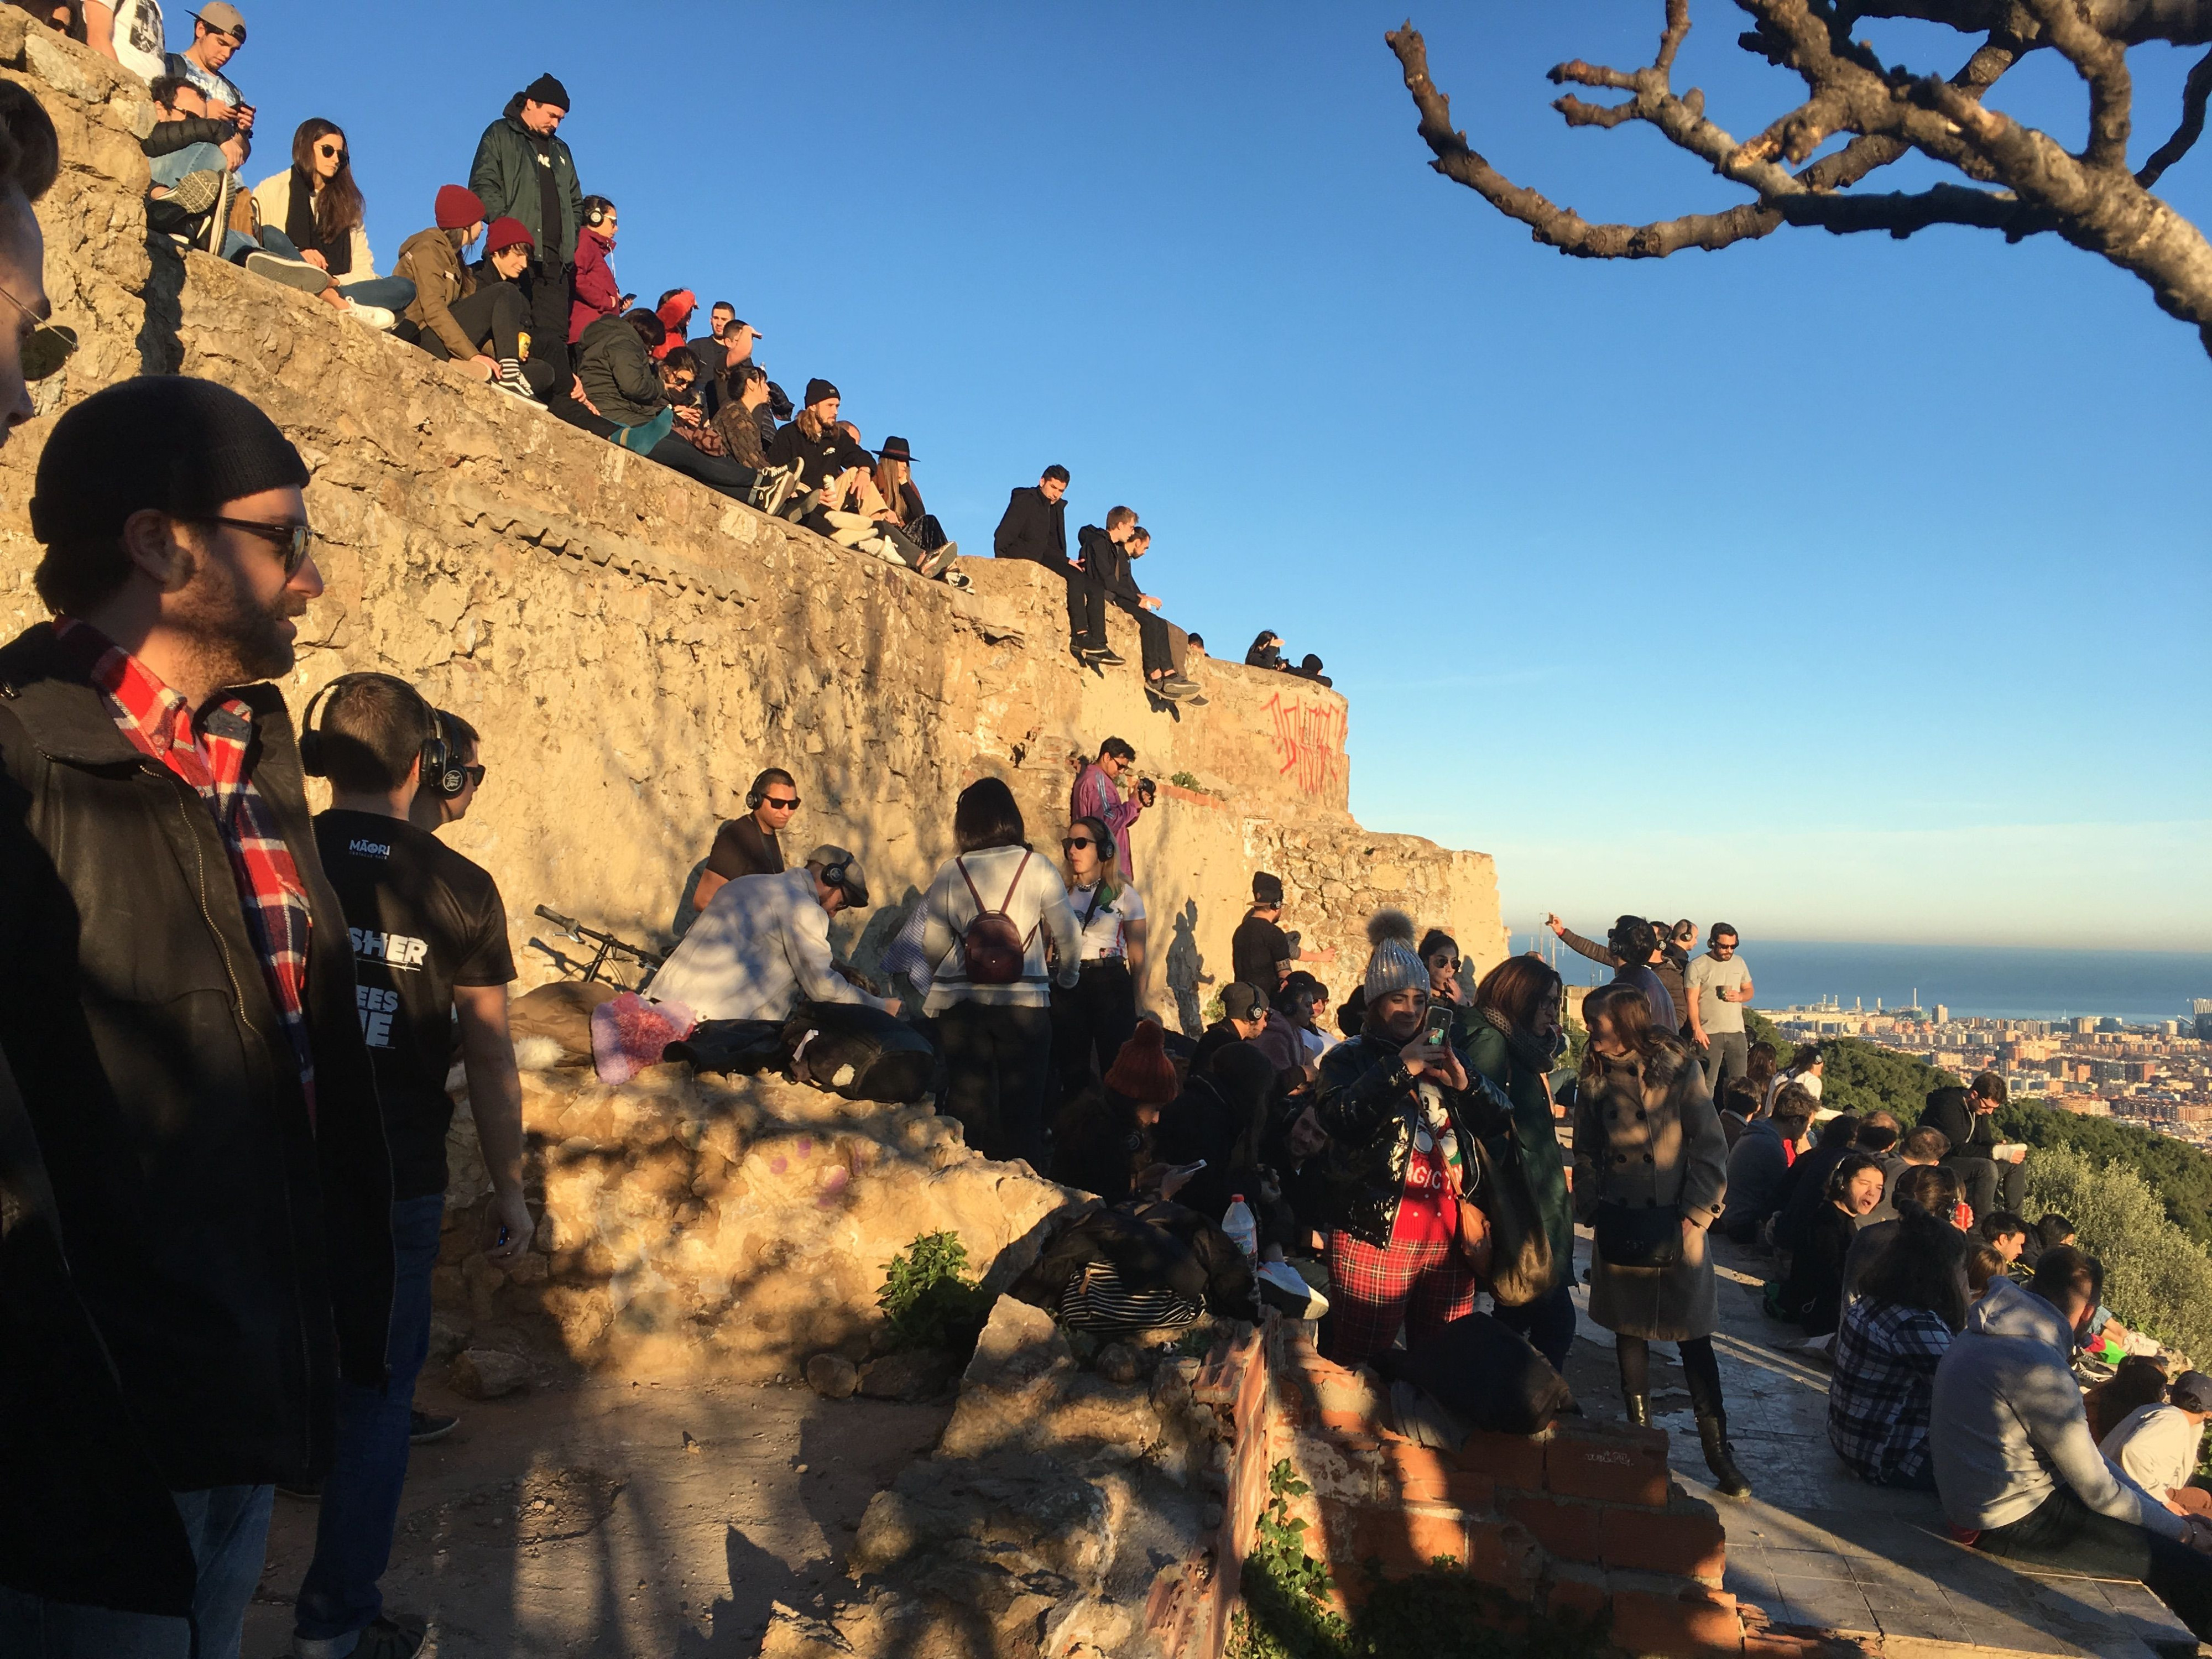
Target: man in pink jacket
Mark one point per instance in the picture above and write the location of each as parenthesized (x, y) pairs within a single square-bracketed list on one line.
[(1097, 794)]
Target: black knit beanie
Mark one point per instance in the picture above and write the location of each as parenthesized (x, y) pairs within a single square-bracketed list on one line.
[(818, 390), (546, 90), (161, 441)]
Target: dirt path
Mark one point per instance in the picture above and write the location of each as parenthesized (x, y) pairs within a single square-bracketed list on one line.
[(618, 1519)]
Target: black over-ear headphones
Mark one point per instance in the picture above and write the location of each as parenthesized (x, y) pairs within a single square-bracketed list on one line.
[(442, 773), (758, 792)]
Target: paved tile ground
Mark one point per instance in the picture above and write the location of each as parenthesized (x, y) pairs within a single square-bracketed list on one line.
[(1816, 1546)]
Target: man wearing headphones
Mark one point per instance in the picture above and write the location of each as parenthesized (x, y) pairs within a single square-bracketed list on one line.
[(762, 946), (430, 940), (746, 846)]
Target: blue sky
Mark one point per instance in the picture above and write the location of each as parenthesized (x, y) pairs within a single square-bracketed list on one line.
[(1856, 589)]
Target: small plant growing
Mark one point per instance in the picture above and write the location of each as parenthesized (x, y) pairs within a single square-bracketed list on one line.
[(928, 1298), (1186, 781)]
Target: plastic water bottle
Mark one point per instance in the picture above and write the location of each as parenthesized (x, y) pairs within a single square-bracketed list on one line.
[(1239, 1225)]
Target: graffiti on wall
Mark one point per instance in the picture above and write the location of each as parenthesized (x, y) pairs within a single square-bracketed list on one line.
[(1308, 740)]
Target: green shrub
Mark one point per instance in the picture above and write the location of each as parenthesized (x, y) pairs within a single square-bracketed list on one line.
[(929, 1299), (1187, 781), (2178, 1173), (2157, 1279)]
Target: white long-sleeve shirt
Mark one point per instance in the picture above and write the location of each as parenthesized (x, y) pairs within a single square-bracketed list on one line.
[(1036, 905), (2155, 1447), (755, 952)]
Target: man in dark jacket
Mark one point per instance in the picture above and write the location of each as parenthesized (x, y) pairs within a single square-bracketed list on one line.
[(522, 171), (1106, 556), (1967, 1118), (198, 1114), (1035, 528)]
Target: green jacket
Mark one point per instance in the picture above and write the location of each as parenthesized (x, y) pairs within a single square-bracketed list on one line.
[(504, 177), (1484, 1046)]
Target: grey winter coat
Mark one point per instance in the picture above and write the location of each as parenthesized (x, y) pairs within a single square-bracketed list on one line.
[(504, 176), (1646, 1133), (618, 375)]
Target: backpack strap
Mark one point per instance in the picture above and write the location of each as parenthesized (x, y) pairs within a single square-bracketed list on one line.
[(1014, 886), (970, 880)]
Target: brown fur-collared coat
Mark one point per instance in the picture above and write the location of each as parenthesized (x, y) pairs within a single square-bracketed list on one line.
[(1646, 1133)]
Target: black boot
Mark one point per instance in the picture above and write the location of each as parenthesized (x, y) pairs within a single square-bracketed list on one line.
[(1720, 1458), (1639, 1410)]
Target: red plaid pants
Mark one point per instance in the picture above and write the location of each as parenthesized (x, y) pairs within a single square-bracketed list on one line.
[(1422, 1285)]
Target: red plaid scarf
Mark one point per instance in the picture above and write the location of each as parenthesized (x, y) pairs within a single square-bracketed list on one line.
[(211, 755)]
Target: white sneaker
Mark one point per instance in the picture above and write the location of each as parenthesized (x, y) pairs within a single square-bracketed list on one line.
[(375, 317)]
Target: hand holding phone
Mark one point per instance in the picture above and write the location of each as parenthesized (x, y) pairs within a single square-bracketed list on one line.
[(1437, 1027)]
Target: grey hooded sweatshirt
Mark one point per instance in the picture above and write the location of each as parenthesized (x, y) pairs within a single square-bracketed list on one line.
[(2008, 1423)]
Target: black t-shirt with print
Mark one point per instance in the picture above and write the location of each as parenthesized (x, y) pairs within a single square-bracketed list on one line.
[(423, 920), (1255, 949)]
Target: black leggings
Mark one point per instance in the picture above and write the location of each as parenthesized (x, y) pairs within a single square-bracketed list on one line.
[(1700, 1366), (1151, 641), (495, 315), (998, 1063)]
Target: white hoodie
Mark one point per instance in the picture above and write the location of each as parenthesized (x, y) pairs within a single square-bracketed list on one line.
[(2008, 1423)]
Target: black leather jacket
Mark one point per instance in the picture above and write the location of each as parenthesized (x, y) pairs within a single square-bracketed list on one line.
[(231, 1253), (1368, 1107)]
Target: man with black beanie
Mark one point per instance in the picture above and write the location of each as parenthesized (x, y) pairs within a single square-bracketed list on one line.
[(522, 171), (1259, 952), (196, 1114)]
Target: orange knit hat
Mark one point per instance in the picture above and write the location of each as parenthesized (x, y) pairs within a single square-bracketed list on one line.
[(1142, 1072)]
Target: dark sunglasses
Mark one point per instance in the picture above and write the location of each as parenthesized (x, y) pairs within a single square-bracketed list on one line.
[(46, 348), (1071, 842), (476, 774), (329, 151), (291, 540), (789, 805)]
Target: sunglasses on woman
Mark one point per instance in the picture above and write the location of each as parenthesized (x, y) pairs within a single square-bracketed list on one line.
[(1071, 842), (336, 152)]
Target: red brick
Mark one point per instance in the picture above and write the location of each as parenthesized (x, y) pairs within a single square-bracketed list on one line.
[(1511, 1460), (1346, 1422), (1568, 1530), (1681, 1541), (1252, 1395), (1415, 1474), (1695, 1625), (1405, 1538), (1613, 1465), (1576, 1588), (1504, 1553)]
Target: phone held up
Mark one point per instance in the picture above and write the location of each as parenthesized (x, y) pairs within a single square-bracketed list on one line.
[(1437, 1025)]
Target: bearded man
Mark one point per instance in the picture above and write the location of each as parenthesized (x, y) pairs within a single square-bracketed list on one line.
[(177, 1006)]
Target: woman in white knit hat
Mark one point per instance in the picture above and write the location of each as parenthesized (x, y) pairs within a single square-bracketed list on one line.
[(1400, 1250)]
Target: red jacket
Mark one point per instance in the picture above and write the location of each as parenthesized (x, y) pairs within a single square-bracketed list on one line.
[(598, 294)]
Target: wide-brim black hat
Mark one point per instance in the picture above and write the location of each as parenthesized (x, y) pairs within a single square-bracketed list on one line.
[(895, 449)]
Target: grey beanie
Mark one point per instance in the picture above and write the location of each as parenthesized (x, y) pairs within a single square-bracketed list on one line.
[(1394, 966)]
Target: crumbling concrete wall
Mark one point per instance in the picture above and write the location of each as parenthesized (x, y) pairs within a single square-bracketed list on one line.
[(634, 648)]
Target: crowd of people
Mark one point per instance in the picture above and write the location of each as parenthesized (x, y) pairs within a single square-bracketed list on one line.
[(223, 1107)]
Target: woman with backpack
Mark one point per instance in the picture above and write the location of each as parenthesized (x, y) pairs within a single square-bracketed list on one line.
[(992, 909)]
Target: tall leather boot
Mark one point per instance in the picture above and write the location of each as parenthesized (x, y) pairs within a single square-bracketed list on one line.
[(1639, 1410), (1720, 1458)]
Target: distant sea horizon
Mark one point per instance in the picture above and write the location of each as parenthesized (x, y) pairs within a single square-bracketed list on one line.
[(1987, 981)]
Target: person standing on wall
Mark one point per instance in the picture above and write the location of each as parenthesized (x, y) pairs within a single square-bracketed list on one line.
[(431, 965), (990, 910), (1651, 1172), (748, 846), (197, 1118), (1097, 793), (1717, 986), (522, 171)]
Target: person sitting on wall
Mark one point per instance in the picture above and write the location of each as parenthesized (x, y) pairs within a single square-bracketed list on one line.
[(747, 846), (1759, 1162), (636, 401), (2156, 1445), (1035, 528), (1266, 652), (456, 314), (762, 945), (1922, 1189), (2019, 1475), (1887, 1350), (745, 395), (190, 195), (1106, 556), (313, 235), (1309, 667)]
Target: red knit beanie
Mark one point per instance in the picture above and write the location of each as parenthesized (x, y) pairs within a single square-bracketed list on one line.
[(458, 208), (508, 232), (1142, 1072)]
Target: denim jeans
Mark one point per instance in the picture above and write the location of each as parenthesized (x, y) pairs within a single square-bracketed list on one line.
[(393, 293), (339, 1597), (168, 171), (1726, 1056), (228, 1527)]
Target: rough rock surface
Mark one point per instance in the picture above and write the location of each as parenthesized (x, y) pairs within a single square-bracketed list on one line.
[(634, 646)]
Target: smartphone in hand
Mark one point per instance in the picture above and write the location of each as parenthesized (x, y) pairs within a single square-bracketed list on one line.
[(1437, 1027)]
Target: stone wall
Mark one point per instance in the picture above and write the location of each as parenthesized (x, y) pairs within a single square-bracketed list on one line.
[(634, 648)]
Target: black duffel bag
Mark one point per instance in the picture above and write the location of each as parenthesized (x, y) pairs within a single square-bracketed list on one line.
[(742, 1046), (1485, 1374), (861, 1052)]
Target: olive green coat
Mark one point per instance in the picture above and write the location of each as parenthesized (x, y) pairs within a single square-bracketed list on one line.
[(1646, 1133), (1533, 1128)]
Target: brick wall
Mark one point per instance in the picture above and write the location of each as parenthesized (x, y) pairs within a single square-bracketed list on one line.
[(1583, 1518)]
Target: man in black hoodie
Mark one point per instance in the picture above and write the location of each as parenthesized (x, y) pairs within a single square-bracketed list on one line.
[(1035, 528), (1106, 555)]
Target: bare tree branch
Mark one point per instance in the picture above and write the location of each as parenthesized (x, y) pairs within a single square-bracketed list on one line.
[(2035, 185), (2193, 94)]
